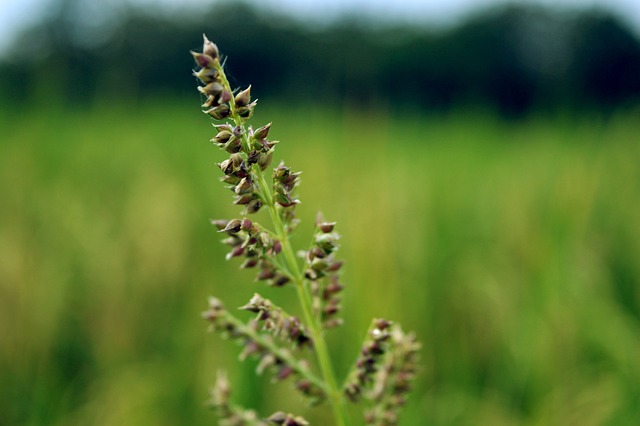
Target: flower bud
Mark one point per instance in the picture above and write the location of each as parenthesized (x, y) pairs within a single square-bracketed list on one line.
[(326, 227), (264, 159), (236, 160), (222, 137), (219, 223), (268, 360), (233, 146), (279, 280), (327, 242), (284, 372), (225, 97), (226, 166), (382, 323), (205, 61), (335, 266), (246, 225), (266, 274), (277, 247), (206, 75), (230, 179), (243, 199), (319, 264), (278, 418), (265, 240), (223, 126), (215, 304), (235, 252), (210, 102), (254, 304), (249, 263), (233, 226), (245, 111), (243, 98), (262, 132), (244, 187), (219, 113), (210, 48), (253, 206), (212, 89), (281, 418)]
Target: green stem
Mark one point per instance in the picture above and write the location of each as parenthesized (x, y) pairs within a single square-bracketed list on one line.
[(277, 351), (333, 392)]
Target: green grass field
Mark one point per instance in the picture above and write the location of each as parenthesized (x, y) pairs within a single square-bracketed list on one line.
[(512, 249)]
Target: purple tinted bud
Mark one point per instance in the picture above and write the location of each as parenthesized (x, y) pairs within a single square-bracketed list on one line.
[(326, 227), (277, 247), (233, 226), (204, 60), (210, 48), (219, 223), (246, 224), (243, 98), (262, 132)]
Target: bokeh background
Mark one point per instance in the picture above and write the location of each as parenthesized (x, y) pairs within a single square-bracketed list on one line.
[(482, 164)]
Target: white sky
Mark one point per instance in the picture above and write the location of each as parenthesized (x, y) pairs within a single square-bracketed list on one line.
[(15, 14)]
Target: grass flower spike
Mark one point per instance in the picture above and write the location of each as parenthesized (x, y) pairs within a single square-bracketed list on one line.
[(279, 341)]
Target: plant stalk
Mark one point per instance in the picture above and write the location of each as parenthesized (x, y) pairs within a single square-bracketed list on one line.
[(315, 328)]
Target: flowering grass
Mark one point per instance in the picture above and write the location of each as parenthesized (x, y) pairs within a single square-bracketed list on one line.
[(520, 254)]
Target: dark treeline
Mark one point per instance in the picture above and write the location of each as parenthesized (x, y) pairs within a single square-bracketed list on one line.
[(515, 59)]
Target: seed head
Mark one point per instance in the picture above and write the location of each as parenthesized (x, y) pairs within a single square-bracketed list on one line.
[(210, 48)]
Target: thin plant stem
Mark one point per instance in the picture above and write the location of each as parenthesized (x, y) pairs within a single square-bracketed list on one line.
[(328, 373), (274, 349)]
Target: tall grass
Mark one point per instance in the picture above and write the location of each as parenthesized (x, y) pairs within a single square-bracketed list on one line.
[(511, 248)]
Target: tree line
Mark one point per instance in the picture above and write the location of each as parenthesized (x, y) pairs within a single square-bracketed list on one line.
[(516, 59)]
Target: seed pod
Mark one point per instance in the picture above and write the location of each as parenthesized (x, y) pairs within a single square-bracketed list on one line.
[(243, 98), (233, 146), (264, 160), (244, 187), (219, 223), (222, 137), (230, 179), (262, 132), (204, 60), (249, 263), (245, 111), (281, 418), (233, 226), (219, 113), (246, 225), (253, 206), (279, 280), (209, 48), (327, 242), (210, 102), (226, 166), (235, 252), (326, 227), (206, 75), (225, 97), (212, 89), (243, 199)]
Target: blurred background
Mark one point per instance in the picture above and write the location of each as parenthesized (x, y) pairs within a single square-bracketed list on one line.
[(480, 158)]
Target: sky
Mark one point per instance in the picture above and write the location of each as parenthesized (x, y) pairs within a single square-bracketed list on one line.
[(17, 14)]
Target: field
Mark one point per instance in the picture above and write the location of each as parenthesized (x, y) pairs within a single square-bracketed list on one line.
[(512, 249)]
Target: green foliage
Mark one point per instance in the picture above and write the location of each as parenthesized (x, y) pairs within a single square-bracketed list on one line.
[(515, 59), (512, 249)]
